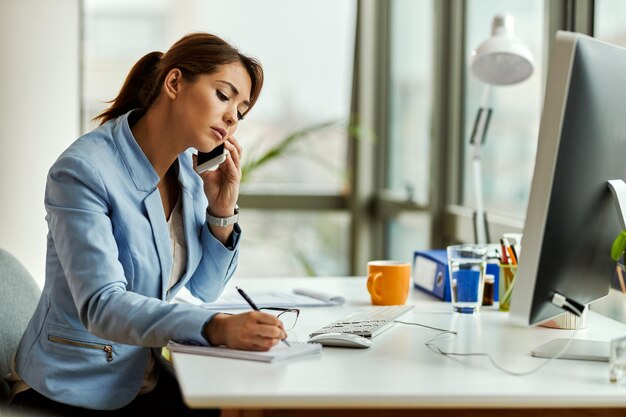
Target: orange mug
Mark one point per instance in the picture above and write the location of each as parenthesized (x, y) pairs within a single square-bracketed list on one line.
[(388, 282)]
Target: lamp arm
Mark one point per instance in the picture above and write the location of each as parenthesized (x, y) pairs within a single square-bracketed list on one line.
[(479, 219), (483, 117), (479, 133)]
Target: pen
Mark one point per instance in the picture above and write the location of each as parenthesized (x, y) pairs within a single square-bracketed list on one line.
[(254, 307), (248, 300), (509, 248), (514, 253), (504, 255)]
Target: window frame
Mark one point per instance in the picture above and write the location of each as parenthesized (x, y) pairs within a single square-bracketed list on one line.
[(370, 205), (458, 219)]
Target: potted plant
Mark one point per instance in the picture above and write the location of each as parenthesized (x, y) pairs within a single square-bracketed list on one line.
[(617, 253), (286, 146)]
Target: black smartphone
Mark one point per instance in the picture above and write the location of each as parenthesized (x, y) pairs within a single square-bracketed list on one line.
[(211, 160)]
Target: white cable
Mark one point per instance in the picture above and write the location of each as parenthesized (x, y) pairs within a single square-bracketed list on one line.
[(430, 344), (428, 327)]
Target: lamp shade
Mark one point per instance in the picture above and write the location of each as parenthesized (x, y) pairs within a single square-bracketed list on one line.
[(502, 59)]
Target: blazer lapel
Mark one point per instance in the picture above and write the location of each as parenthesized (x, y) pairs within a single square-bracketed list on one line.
[(194, 249), (145, 179), (154, 208)]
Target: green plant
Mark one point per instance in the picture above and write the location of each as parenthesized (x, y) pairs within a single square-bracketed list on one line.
[(617, 253), (619, 246), (287, 146)]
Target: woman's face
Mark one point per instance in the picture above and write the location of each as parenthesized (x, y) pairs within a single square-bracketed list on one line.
[(208, 110)]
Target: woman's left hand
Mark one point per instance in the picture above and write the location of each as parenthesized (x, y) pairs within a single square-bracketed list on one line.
[(222, 185)]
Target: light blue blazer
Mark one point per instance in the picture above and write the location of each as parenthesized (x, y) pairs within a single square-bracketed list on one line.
[(109, 259)]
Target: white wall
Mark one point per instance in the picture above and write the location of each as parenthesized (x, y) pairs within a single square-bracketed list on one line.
[(39, 115)]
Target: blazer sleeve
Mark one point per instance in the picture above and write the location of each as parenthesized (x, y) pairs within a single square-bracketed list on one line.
[(217, 260), (78, 217)]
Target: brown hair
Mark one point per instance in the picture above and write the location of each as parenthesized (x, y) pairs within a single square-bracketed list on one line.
[(194, 54)]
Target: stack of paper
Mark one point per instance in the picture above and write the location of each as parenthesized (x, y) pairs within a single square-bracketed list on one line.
[(283, 299)]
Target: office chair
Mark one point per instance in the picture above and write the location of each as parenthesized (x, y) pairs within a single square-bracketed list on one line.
[(19, 294)]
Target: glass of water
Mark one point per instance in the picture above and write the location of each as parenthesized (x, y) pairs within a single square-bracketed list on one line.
[(466, 265), (617, 361)]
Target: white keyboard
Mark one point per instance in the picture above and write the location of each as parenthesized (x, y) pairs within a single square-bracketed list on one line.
[(368, 322)]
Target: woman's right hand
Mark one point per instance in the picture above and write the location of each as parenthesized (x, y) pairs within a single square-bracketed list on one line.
[(253, 330)]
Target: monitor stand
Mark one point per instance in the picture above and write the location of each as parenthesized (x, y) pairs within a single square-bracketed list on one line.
[(568, 321), (586, 350)]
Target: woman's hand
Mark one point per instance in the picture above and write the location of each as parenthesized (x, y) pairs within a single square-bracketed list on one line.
[(247, 331), (222, 187)]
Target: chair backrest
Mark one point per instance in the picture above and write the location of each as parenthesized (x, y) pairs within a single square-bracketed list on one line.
[(19, 295)]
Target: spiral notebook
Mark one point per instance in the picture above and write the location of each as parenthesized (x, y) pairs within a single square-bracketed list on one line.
[(277, 353)]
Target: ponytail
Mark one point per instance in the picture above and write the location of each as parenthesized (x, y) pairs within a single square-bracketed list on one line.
[(194, 54), (138, 89)]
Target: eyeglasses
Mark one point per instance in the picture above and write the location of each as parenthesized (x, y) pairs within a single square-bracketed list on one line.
[(289, 316)]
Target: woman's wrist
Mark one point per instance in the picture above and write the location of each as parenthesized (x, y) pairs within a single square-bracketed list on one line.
[(213, 330), (222, 212), (223, 221)]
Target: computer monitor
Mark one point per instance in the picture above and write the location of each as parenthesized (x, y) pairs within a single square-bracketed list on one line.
[(572, 218)]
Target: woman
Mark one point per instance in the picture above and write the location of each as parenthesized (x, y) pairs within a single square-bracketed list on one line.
[(127, 217)]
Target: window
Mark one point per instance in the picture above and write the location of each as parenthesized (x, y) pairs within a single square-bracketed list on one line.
[(410, 98), (297, 210), (609, 18), (406, 234), (509, 151), (116, 35), (409, 132), (307, 54), (294, 243)]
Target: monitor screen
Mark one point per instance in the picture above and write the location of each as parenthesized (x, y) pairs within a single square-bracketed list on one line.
[(571, 219)]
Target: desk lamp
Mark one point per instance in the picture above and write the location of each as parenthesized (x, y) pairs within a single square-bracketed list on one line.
[(501, 59)]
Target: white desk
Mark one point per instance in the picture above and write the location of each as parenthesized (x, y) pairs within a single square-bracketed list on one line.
[(399, 371)]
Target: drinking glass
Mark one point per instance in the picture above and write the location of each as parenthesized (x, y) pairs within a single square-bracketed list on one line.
[(467, 264)]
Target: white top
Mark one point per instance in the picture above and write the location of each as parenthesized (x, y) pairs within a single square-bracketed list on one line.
[(399, 370), (179, 245), (179, 266)]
